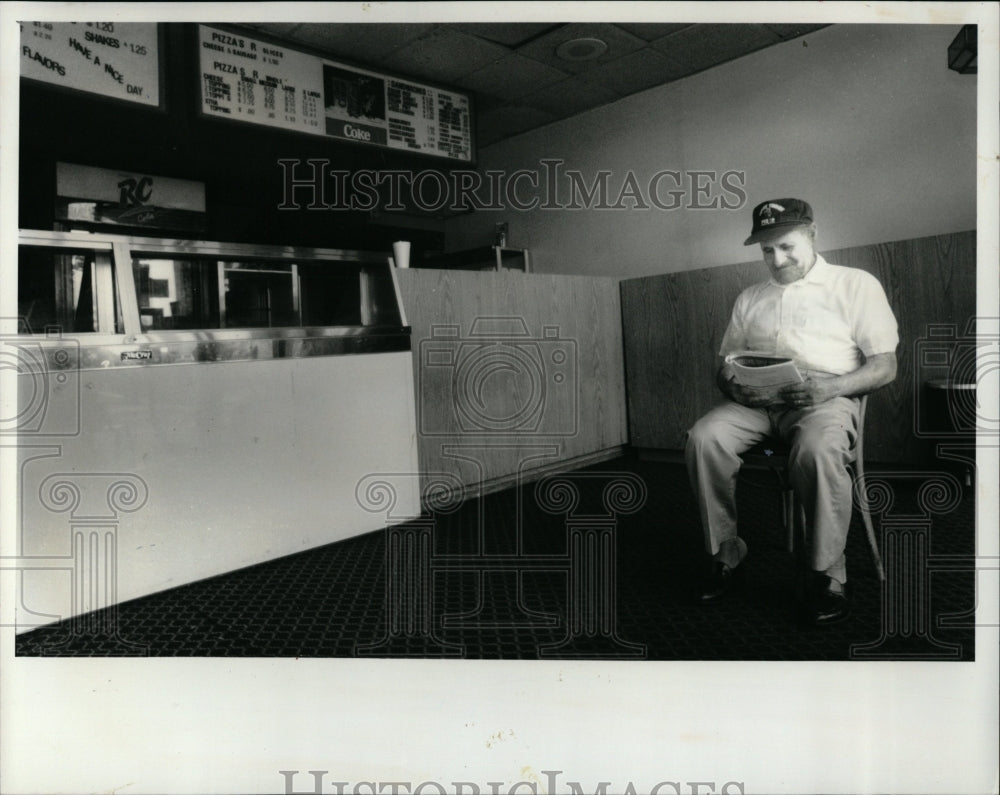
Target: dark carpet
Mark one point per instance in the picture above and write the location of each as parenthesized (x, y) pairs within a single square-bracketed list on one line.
[(601, 563)]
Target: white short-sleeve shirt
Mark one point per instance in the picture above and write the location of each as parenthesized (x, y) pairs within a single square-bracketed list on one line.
[(829, 320)]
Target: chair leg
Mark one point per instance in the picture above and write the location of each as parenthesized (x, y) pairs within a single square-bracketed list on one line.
[(866, 517), (793, 514), (789, 506), (788, 518)]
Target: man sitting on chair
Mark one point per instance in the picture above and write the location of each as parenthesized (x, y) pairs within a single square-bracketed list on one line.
[(837, 326)]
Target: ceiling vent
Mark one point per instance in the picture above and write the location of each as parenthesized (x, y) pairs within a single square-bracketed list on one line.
[(583, 49)]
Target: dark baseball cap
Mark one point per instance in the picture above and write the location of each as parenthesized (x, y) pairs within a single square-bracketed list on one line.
[(777, 216)]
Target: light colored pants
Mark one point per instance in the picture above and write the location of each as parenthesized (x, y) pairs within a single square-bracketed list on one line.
[(822, 442)]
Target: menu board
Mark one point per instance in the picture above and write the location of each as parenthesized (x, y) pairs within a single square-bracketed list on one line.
[(276, 86), (114, 59)]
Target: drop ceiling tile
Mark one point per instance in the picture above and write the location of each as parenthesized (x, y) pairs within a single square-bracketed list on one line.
[(792, 31), (473, 55), (636, 71), (487, 137), (507, 120), (570, 97), (701, 46), (510, 34), (620, 42), (364, 42), (486, 102), (511, 77), (274, 28), (444, 55), (650, 31)]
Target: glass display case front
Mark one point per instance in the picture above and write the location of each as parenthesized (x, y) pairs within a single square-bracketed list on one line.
[(113, 290)]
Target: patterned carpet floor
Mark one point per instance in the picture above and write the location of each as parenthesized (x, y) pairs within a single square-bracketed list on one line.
[(602, 563)]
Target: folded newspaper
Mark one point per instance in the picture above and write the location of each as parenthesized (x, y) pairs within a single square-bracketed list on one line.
[(756, 369)]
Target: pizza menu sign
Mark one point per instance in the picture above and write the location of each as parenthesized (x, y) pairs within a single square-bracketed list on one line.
[(115, 59), (262, 83)]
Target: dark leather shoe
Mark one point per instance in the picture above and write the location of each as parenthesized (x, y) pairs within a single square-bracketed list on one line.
[(719, 582), (828, 602)]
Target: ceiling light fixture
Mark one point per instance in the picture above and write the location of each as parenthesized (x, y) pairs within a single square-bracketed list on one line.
[(583, 49)]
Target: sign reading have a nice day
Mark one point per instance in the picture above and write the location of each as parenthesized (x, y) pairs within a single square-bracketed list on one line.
[(114, 59), (254, 81)]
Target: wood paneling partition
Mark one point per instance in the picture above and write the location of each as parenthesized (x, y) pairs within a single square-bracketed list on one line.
[(515, 373), (673, 325)]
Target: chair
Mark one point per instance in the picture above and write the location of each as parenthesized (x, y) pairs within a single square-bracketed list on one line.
[(772, 454)]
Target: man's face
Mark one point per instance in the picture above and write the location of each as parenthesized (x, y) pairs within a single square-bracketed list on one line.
[(790, 256)]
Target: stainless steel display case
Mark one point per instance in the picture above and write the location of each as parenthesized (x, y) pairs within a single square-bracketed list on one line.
[(186, 408)]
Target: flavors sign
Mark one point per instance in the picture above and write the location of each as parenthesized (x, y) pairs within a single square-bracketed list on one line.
[(120, 60)]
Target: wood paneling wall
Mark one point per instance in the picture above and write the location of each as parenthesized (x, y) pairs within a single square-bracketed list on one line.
[(673, 325), (566, 377)]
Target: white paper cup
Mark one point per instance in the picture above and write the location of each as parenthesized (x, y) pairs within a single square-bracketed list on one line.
[(401, 253)]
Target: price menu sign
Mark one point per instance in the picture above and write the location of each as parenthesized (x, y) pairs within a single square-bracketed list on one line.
[(120, 60), (276, 86)]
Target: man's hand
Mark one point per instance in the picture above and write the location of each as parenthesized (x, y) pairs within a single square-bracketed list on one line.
[(810, 392), (752, 397), (755, 397), (877, 371)]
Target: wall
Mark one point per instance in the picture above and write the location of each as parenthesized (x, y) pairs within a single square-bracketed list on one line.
[(864, 121), (674, 325), (516, 373)]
